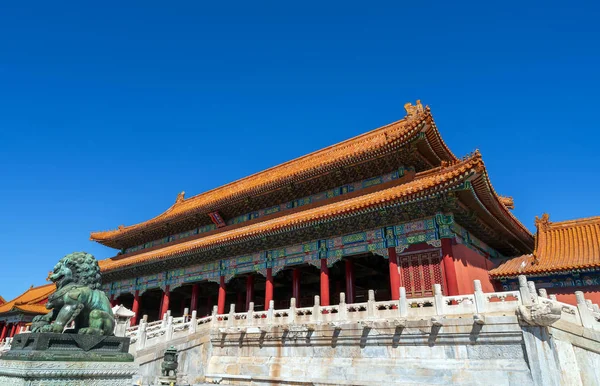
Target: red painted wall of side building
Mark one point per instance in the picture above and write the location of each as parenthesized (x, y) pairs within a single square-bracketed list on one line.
[(471, 265)]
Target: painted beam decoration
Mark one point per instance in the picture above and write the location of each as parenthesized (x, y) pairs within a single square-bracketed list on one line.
[(429, 230)]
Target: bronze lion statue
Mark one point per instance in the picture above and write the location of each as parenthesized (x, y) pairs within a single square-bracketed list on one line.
[(78, 298)]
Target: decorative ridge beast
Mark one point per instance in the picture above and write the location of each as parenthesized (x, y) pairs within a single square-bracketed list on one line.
[(78, 298)]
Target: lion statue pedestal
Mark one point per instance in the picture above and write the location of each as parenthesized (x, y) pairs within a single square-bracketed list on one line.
[(89, 353)]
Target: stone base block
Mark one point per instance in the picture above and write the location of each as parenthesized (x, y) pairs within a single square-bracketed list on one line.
[(61, 373)]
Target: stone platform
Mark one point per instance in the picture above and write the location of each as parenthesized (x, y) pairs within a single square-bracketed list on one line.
[(68, 347), (62, 373), (67, 359)]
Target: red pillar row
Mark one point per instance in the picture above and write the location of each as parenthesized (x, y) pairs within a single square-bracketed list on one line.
[(222, 294), (324, 283), (269, 288), (249, 290), (349, 281), (394, 275), (136, 308), (13, 330), (4, 331), (165, 301), (449, 269)]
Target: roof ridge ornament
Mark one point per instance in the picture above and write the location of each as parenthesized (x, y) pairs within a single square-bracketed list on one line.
[(180, 197), (542, 224), (413, 111)]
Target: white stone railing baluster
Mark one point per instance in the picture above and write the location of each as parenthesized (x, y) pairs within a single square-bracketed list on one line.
[(270, 312), (292, 313), (250, 314), (480, 302), (587, 319), (316, 314), (438, 299), (343, 308), (371, 304), (141, 335), (403, 303), (524, 290), (193, 322)]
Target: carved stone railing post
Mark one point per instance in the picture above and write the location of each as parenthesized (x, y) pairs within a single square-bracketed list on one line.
[(403, 303), (141, 338), (543, 293), (215, 319), (292, 313), (164, 320), (316, 314), (532, 291), (186, 316), (231, 316), (587, 318), (524, 291), (552, 297), (371, 304), (438, 299), (595, 308), (342, 307), (193, 322), (271, 312), (169, 332), (480, 302), (250, 314)]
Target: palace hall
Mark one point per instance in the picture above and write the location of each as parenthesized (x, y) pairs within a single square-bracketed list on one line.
[(390, 208), (393, 207)]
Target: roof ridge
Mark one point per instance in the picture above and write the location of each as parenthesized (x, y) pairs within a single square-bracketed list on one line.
[(415, 119)]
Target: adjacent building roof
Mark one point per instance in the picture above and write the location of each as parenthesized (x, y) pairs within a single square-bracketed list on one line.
[(432, 182), (2, 301), (31, 301), (350, 152), (560, 246)]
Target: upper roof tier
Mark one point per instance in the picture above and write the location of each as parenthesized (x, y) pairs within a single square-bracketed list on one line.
[(30, 301), (560, 246), (468, 178), (361, 156)]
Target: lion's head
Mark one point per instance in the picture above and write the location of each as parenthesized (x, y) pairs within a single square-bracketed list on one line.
[(80, 268)]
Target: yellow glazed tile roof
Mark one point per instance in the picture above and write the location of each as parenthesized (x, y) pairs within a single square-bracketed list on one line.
[(560, 246), (425, 183), (31, 300), (349, 151)]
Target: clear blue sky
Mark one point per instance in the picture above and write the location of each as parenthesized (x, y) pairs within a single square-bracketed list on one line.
[(107, 112)]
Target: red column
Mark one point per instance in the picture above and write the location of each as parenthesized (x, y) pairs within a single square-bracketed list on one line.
[(4, 331), (13, 330), (394, 275), (324, 283), (449, 269), (349, 282), (165, 301), (113, 301), (135, 308), (269, 288), (222, 293), (249, 290), (194, 300), (296, 285)]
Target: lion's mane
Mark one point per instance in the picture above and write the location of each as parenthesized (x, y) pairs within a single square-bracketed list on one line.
[(84, 268)]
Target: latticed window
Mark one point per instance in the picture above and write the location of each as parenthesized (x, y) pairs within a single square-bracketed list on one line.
[(420, 271)]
